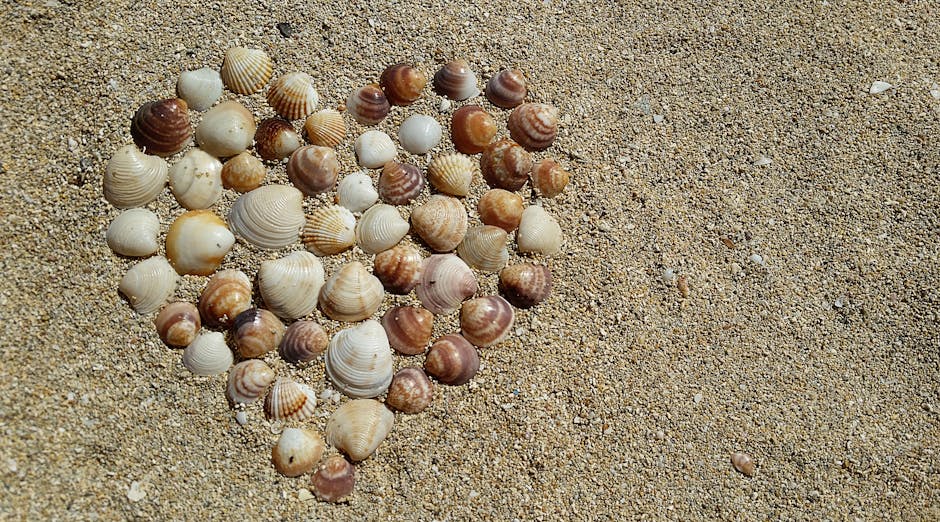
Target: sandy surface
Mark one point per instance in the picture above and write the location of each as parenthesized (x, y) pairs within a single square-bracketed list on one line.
[(618, 398)]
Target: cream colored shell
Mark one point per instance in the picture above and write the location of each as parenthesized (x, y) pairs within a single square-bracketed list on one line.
[(268, 217), (199, 88), (325, 128), (208, 354), (246, 71), (297, 451), (149, 284), (374, 148), (293, 96), (351, 293), (359, 360), (441, 222), (132, 178), (196, 180), (356, 192), (134, 233), (538, 232), (291, 285), (380, 228), (289, 400), (226, 129), (197, 241), (358, 427), (484, 247), (452, 173), (329, 231)]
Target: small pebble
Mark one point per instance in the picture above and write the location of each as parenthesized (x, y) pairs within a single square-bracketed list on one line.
[(697, 397), (135, 493), (879, 87), (603, 226), (743, 463), (304, 494), (683, 285), (669, 276), (658, 118), (757, 259), (445, 105), (241, 418), (762, 161)]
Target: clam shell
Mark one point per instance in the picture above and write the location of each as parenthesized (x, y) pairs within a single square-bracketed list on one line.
[(297, 451), (486, 321), (400, 183), (359, 360), (355, 192), (548, 178), (199, 88), (351, 294), (178, 323), (290, 285), (303, 342), (227, 294), (441, 222), (456, 81), (507, 88), (534, 125), (402, 83), (452, 360), (246, 71), (374, 148), (134, 233), (325, 128), (148, 284), (256, 332), (410, 391), (335, 479), (248, 381), (133, 179), (226, 129), (525, 285), (208, 354), (368, 105), (268, 217), (446, 281), (484, 247), (538, 232), (276, 139), (399, 269), (380, 228), (452, 174), (501, 208), (408, 329), (419, 133), (505, 165), (293, 96), (243, 173), (197, 241), (358, 427), (313, 169), (289, 400), (162, 127), (329, 230), (196, 180), (472, 129)]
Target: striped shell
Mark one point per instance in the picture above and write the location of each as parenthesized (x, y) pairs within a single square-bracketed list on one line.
[(293, 96), (276, 139), (325, 128), (419, 133), (313, 169), (227, 294), (196, 180), (456, 81), (501, 208), (359, 360), (162, 127), (472, 129), (452, 360), (351, 294), (534, 125), (400, 183), (208, 354), (368, 105), (399, 269), (408, 329), (246, 71), (402, 83), (148, 284), (538, 232), (505, 165), (410, 391), (507, 88), (380, 228), (289, 400), (484, 247), (248, 381), (374, 148), (243, 173), (197, 241), (256, 331), (441, 222), (446, 281), (358, 427), (549, 179), (303, 342), (268, 217), (199, 88), (355, 192), (329, 230), (178, 323), (290, 285), (133, 179), (134, 233), (486, 321), (226, 129), (525, 285), (452, 174)]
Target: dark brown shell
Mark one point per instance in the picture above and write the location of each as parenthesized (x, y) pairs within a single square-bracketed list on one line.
[(506, 165), (398, 268), (456, 81), (507, 88), (276, 139), (486, 321), (256, 332), (534, 125), (452, 360), (410, 391), (162, 127), (525, 285), (313, 169), (335, 479), (402, 84), (472, 129), (400, 183), (303, 342), (408, 329), (368, 105)]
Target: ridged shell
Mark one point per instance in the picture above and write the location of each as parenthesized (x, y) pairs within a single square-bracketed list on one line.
[(313, 169), (248, 381), (297, 451), (148, 284), (441, 222), (452, 174), (411, 391), (525, 285), (549, 179), (335, 480), (329, 230), (276, 139), (408, 328), (256, 332), (303, 342), (538, 232), (134, 233), (380, 228), (246, 71), (359, 360), (162, 127), (197, 241), (446, 281), (452, 360), (402, 84), (351, 294), (358, 427), (243, 173), (196, 180), (374, 148), (534, 125), (325, 128), (484, 247), (293, 96), (456, 81), (226, 129), (486, 321), (199, 88), (472, 129), (400, 183), (268, 217), (178, 323), (208, 354), (133, 179), (355, 192), (227, 294), (289, 400), (506, 89), (290, 285), (505, 165), (501, 208), (399, 269), (368, 105), (419, 133)]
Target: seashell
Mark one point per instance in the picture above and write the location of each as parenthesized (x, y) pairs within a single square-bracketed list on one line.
[(268, 217), (534, 125), (134, 233), (243, 173), (506, 89), (256, 332), (293, 96), (178, 323), (472, 129), (374, 149), (303, 342), (313, 169), (227, 294), (486, 321), (408, 329), (456, 81), (358, 427), (525, 285), (419, 133), (196, 180), (329, 231), (548, 178), (207, 354), (290, 285), (162, 127), (197, 241), (452, 174), (356, 193), (247, 381), (335, 479), (226, 129), (445, 282), (132, 178), (441, 222), (148, 284), (276, 139), (380, 228), (359, 360), (484, 247), (325, 128), (289, 400), (398, 268), (501, 208), (246, 71), (297, 451), (538, 232), (351, 294), (410, 391), (402, 84), (452, 360), (505, 165), (743, 463), (199, 88), (368, 105), (400, 183)]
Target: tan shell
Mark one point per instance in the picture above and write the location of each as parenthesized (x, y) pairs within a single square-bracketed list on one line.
[(290, 285), (289, 400), (246, 71), (507, 88), (501, 208), (303, 342), (293, 96), (359, 360), (297, 451), (313, 169), (276, 139), (486, 321), (248, 381), (452, 360), (408, 329), (743, 463), (134, 233), (208, 354), (325, 128), (446, 281), (329, 230), (358, 427), (534, 125), (380, 228), (411, 391), (226, 129), (452, 174), (148, 284), (243, 173), (268, 217), (549, 179), (133, 179), (368, 105), (472, 129), (484, 248), (505, 165), (400, 183), (227, 294), (335, 479), (162, 127), (196, 180), (256, 332), (398, 269), (441, 222), (178, 323), (456, 81), (525, 285), (197, 241), (355, 192), (538, 232), (351, 293), (402, 83)]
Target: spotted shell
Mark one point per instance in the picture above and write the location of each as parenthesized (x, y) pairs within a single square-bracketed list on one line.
[(501, 208), (400, 183), (380, 228), (290, 285), (268, 217), (505, 165), (538, 232), (148, 284), (472, 129), (289, 400), (408, 329), (351, 294), (452, 174), (456, 81), (548, 178), (419, 133), (178, 323), (200, 88), (313, 169), (134, 233), (374, 148), (486, 321), (276, 139), (355, 192), (402, 83), (441, 222), (452, 360), (197, 241), (227, 294), (162, 127), (484, 247), (133, 179), (248, 381), (359, 360), (368, 105), (246, 71), (226, 129), (325, 128), (446, 281), (507, 88), (243, 173), (534, 125), (329, 230), (398, 268), (196, 180), (293, 96), (358, 427), (208, 354), (297, 451), (525, 285), (256, 332), (303, 342)]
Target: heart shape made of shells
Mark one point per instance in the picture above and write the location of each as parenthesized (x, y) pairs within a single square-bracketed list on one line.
[(358, 359)]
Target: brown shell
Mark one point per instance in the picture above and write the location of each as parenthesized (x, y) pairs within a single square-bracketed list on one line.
[(501, 208), (162, 127), (243, 173), (472, 129), (507, 88), (303, 342), (505, 165), (402, 83), (410, 391), (400, 183), (452, 360), (456, 81), (441, 222), (257, 332), (525, 285), (325, 128), (368, 105), (486, 321), (289, 400), (293, 96), (534, 125), (446, 281), (408, 329), (178, 323), (313, 169), (549, 179), (335, 480), (276, 139), (398, 268), (227, 294)]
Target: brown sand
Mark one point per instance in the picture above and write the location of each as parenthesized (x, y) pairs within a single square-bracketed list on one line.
[(618, 398)]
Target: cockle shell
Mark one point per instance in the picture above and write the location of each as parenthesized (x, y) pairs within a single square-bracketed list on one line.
[(351, 294), (445, 282), (325, 128), (452, 360), (374, 148), (380, 228), (538, 232), (199, 88), (501, 208), (196, 180), (525, 285), (441, 222), (134, 233), (246, 71), (368, 105), (208, 354), (268, 217), (290, 285), (359, 360), (313, 169), (133, 179), (402, 83), (548, 178), (226, 129), (505, 165), (289, 400), (472, 129), (506, 89), (335, 479), (534, 125), (162, 127), (400, 183), (355, 192), (197, 241), (243, 173), (456, 81), (408, 329), (419, 133), (276, 139), (452, 174), (398, 268), (148, 284), (303, 342), (329, 230), (293, 96), (486, 321), (358, 427), (410, 391), (256, 332), (227, 294), (297, 451), (248, 381), (178, 323), (484, 247)]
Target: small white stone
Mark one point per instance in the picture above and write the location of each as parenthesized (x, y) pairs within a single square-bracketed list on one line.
[(304, 494), (11, 465), (241, 418), (697, 398), (135, 493), (840, 302), (603, 226), (879, 87), (669, 276), (72, 144), (935, 91), (445, 105), (762, 161), (757, 259), (658, 118)]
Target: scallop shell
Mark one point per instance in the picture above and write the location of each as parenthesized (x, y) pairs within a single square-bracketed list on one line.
[(325, 128), (246, 71), (358, 427), (408, 329), (356, 193), (400, 183), (525, 285), (484, 247), (501, 208), (534, 125), (538, 232), (134, 233), (351, 294), (268, 217), (148, 284), (329, 230), (227, 294), (452, 360), (359, 360), (196, 180), (486, 321), (290, 285), (197, 241), (178, 323), (293, 96), (133, 179), (419, 133), (276, 139), (472, 129), (335, 479), (549, 179), (380, 228), (208, 354), (402, 84), (410, 391), (441, 222), (456, 81), (243, 173), (399, 269), (162, 127), (446, 281), (248, 381), (368, 105), (297, 451), (303, 342), (199, 88), (226, 129), (507, 88), (313, 169), (256, 332), (289, 400), (452, 174), (505, 165), (374, 148)]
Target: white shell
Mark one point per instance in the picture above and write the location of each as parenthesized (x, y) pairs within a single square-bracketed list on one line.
[(199, 88), (197, 241), (358, 427), (226, 129), (297, 451), (196, 180), (248, 380), (132, 178), (538, 232), (149, 284), (268, 217), (356, 192), (380, 228), (351, 293), (208, 354), (289, 400), (330, 230), (374, 148), (359, 360), (878, 87), (134, 233), (419, 133), (291, 285)]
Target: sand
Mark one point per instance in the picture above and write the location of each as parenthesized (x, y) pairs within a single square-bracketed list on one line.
[(737, 146)]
